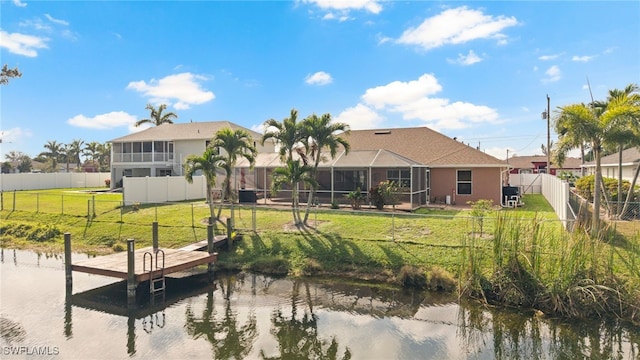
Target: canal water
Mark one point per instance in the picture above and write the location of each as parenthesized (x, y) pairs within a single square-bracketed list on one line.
[(249, 316)]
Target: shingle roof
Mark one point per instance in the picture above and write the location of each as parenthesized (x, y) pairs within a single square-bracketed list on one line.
[(629, 156), (526, 162), (422, 144), (184, 131)]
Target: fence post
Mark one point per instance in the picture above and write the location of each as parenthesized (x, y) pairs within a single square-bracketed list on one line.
[(88, 209), (253, 217), (93, 203), (67, 262), (229, 233), (193, 224)]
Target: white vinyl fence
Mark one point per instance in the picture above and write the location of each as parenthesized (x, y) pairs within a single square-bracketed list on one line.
[(38, 181), (163, 189), (555, 190)]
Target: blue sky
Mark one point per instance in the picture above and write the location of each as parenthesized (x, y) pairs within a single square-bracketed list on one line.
[(477, 70)]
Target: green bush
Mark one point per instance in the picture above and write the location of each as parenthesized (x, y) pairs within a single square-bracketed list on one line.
[(412, 277)]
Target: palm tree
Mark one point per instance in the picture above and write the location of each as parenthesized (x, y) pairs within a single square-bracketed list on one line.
[(319, 133), (92, 150), (593, 124), (235, 143), (208, 163), (156, 117), (6, 74), (75, 150), (104, 156), (54, 150), (287, 134), (293, 174)]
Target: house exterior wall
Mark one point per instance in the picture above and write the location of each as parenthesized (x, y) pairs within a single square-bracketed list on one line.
[(485, 182)]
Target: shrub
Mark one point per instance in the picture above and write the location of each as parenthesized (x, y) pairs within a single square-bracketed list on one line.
[(412, 277), (270, 265), (107, 182), (356, 198), (383, 194), (439, 279)]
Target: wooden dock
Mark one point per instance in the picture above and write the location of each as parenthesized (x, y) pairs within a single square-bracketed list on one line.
[(116, 265)]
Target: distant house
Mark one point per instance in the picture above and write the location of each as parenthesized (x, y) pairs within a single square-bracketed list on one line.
[(537, 164), (161, 150), (609, 164)]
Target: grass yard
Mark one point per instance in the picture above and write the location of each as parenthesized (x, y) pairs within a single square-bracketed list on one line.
[(365, 245)]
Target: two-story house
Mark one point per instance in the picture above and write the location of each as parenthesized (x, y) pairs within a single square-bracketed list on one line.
[(161, 150)]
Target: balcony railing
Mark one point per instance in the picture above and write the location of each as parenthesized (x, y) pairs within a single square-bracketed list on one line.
[(142, 157)]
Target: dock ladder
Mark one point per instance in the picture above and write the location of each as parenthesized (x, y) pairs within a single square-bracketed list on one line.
[(156, 273)]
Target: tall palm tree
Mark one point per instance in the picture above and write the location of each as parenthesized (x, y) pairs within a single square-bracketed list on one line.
[(92, 150), (75, 150), (593, 124), (287, 134), (53, 153), (208, 163), (293, 174), (235, 143), (156, 117), (320, 133)]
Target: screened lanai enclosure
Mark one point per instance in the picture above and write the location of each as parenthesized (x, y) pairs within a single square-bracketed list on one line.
[(362, 169)]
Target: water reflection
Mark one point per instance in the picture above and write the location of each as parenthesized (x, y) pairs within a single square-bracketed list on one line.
[(249, 316)]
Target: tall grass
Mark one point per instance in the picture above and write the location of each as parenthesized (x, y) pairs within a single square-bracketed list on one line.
[(572, 275)]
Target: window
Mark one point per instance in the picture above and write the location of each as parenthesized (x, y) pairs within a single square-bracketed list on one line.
[(463, 182), (400, 177)]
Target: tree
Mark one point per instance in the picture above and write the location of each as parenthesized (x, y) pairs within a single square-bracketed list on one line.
[(6, 167), (156, 117), (208, 164), (24, 164), (287, 134), (6, 74), (53, 153), (75, 150), (579, 123), (104, 157), (235, 143), (319, 133), (293, 174), (20, 160), (92, 150)]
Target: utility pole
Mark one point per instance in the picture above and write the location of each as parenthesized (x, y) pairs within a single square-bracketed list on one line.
[(547, 115)]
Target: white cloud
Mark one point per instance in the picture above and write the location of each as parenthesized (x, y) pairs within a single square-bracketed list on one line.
[(22, 44), (398, 92), (372, 6), (359, 117), (319, 78), (414, 100), (56, 21), (184, 88), (104, 121), (456, 26), (548, 57), (585, 58), (19, 3), (469, 59), (553, 74)]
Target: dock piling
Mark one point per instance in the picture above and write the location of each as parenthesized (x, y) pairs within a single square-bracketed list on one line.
[(210, 249), (67, 262), (131, 274), (154, 230)]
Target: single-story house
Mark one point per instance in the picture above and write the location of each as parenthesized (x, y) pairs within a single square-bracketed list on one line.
[(428, 166), (609, 164), (161, 150), (537, 164)]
